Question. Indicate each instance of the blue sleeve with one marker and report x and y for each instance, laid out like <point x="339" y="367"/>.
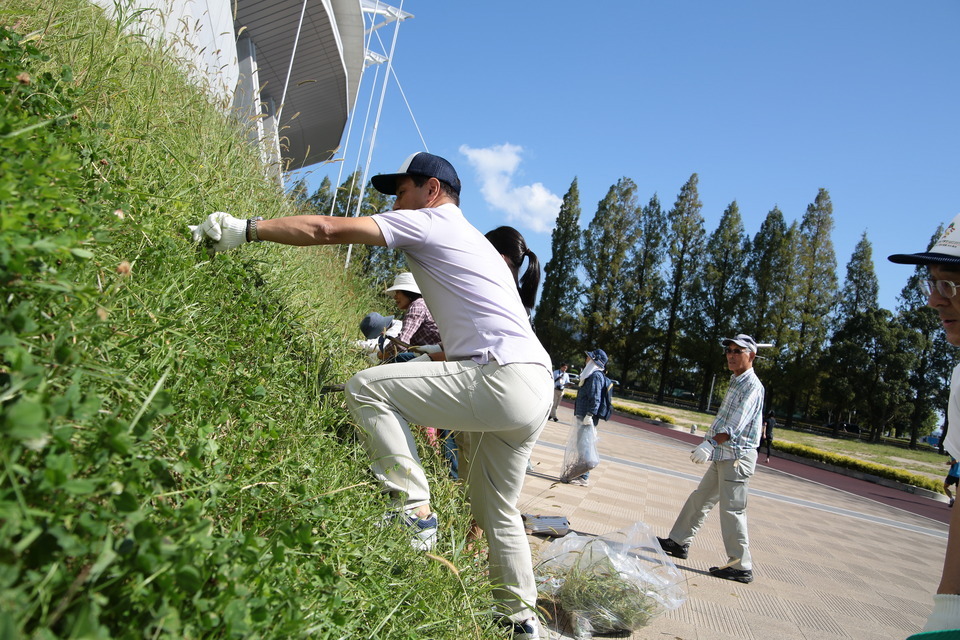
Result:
<point x="595" y="385"/>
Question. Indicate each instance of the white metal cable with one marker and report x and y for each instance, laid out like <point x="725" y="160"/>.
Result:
<point x="410" y="111"/>
<point x="346" y="144"/>
<point x="403" y="95"/>
<point x="293" y="55"/>
<point x="376" y="125"/>
<point x="356" y="166"/>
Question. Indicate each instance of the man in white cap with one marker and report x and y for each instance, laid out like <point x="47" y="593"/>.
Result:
<point x="731" y="448"/>
<point x="495" y="382"/>
<point x="943" y="266"/>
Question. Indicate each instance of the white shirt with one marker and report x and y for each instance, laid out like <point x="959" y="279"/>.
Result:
<point x="467" y="285"/>
<point x="952" y="442"/>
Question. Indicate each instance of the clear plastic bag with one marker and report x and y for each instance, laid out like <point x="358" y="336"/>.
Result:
<point x="581" y="454"/>
<point x="616" y="582"/>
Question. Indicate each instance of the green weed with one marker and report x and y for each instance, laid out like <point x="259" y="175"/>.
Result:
<point x="168" y="465"/>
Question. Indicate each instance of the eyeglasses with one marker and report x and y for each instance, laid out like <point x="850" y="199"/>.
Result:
<point x="944" y="287"/>
<point x="737" y="352"/>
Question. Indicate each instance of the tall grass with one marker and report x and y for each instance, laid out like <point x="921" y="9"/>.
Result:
<point x="168" y="465"/>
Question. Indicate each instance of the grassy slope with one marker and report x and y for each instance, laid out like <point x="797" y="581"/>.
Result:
<point x="245" y="509"/>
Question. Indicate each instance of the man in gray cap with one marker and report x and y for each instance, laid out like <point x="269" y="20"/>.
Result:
<point x="731" y="448"/>
<point x="943" y="266"/>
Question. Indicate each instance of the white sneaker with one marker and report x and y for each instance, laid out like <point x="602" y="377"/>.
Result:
<point x="423" y="530"/>
<point x="527" y="630"/>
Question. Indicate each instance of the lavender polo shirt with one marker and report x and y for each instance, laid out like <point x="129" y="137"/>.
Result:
<point x="467" y="286"/>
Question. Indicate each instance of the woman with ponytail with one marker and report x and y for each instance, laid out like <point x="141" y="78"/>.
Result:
<point x="510" y="244"/>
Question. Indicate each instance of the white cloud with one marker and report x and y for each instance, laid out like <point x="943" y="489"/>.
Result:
<point x="530" y="206"/>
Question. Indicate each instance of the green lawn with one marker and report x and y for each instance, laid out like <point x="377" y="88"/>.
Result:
<point x="923" y="462"/>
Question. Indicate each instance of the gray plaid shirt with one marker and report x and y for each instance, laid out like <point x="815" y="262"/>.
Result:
<point x="740" y="416"/>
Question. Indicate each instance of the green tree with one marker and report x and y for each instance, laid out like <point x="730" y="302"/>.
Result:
<point x="643" y="300"/>
<point x="322" y="199"/>
<point x="860" y="289"/>
<point x="345" y="198"/>
<point x="769" y="303"/>
<point x="857" y="296"/>
<point x="607" y="243"/>
<point x="685" y="238"/>
<point x="555" y="317"/>
<point x="717" y="293"/>
<point x="870" y="360"/>
<point x="816" y="290"/>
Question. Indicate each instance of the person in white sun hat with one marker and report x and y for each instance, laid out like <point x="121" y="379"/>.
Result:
<point x="941" y="287"/>
<point x="730" y="447"/>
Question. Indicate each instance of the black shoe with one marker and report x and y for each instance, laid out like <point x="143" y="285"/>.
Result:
<point x="740" y="575"/>
<point x="674" y="549"/>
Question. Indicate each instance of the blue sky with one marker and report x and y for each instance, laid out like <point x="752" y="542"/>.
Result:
<point x="766" y="101"/>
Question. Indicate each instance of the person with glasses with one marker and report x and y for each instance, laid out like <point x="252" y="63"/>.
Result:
<point x="731" y="448"/>
<point x="943" y="268"/>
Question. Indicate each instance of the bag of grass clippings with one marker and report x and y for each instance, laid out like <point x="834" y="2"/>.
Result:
<point x="616" y="582"/>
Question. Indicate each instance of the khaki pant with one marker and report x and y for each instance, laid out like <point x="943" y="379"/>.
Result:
<point x="503" y="407"/>
<point x="725" y="482"/>
<point x="557" y="396"/>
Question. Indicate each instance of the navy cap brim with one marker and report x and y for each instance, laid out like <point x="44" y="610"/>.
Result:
<point x="924" y="258"/>
<point x="386" y="183"/>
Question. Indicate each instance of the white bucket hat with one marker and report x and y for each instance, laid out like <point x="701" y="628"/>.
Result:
<point x="945" y="251"/>
<point x="405" y="282"/>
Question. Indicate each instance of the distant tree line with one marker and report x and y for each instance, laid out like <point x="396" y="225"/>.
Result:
<point x="657" y="292"/>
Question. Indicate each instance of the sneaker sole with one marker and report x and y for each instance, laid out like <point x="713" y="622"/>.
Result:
<point x="741" y="579"/>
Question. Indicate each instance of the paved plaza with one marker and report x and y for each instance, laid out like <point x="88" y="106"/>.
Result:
<point x="828" y="563"/>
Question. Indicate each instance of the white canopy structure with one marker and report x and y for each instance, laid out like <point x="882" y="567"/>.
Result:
<point x="290" y="68"/>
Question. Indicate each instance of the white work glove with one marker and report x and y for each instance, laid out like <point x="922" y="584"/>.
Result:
<point x="226" y="231"/>
<point x="703" y="452"/>
<point x="427" y="348"/>
<point x="945" y="614"/>
<point x="586" y="421"/>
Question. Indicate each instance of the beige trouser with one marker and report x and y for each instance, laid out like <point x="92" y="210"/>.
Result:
<point x="503" y="407"/>
<point x="557" y="396"/>
<point x="725" y="482"/>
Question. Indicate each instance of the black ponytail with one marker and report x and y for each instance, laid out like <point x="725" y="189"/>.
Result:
<point x="511" y="245"/>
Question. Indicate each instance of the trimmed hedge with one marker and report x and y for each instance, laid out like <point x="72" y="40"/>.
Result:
<point x="847" y="462"/>
<point x="643" y="413"/>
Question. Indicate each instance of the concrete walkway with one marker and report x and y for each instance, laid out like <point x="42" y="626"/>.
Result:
<point x="828" y="562"/>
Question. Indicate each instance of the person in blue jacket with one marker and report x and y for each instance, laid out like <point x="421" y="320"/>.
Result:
<point x="593" y="398"/>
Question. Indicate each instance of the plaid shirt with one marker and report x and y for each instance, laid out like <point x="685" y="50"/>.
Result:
<point x="740" y="416"/>
<point x="418" y="325"/>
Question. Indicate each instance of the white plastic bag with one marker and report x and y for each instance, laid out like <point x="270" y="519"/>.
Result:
<point x="615" y="582"/>
<point x="581" y="454"/>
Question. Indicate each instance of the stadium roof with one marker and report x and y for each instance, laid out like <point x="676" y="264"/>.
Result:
<point x="325" y="75"/>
